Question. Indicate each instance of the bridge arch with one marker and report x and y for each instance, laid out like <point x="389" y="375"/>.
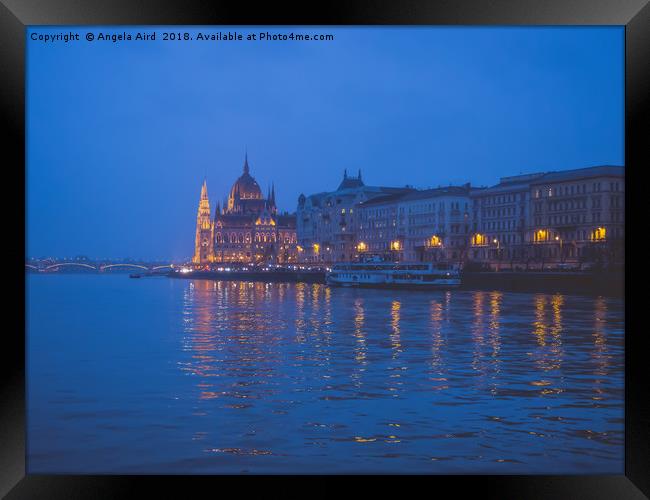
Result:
<point x="61" y="264"/>
<point x="109" y="266"/>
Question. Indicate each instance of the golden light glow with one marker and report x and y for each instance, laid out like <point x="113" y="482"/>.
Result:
<point x="479" y="240"/>
<point x="395" y="245"/>
<point x="599" y="234"/>
<point x="435" y="241"/>
<point x="260" y="222"/>
<point x="299" y="248"/>
<point x="395" y="317"/>
<point x="316" y="248"/>
<point x="362" y="247"/>
<point x="541" y="235"/>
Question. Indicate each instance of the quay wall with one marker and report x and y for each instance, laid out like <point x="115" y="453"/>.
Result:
<point x="587" y="283"/>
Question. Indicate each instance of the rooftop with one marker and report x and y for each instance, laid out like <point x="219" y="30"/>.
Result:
<point x="524" y="181"/>
<point x="409" y="194"/>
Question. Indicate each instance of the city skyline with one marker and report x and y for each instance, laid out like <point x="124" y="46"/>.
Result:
<point x="121" y="177"/>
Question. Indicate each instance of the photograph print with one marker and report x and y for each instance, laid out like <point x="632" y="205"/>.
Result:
<point x="325" y="250"/>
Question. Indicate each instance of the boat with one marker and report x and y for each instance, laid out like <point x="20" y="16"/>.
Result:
<point x="376" y="273"/>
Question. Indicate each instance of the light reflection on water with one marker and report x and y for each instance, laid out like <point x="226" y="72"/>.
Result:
<point x="256" y="377"/>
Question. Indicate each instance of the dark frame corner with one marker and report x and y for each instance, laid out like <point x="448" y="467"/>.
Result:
<point x="16" y="15"/>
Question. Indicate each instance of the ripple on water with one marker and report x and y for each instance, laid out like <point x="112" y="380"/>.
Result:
<point x="215" y="377"/>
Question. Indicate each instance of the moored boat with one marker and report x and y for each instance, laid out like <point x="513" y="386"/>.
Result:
<point x="382" y="274"/>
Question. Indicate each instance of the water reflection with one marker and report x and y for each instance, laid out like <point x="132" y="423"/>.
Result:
<point x="495" y="340"/>
<point x="438" y="369"/>
<point x="395" y="340"/>
<point x="229" y="332"/>
<point x="478" y="331"/>
<point x="227" y="377"/>
<point x="315" y="357"/>
<point x="359" y="333"/>
<point x="600" y="353"/>
<point x="548" y="330"/>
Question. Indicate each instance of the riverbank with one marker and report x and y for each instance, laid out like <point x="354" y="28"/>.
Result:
<point x="605" y="283"/>
<point x="269" y="276"/>
<point x="584" y="283"/>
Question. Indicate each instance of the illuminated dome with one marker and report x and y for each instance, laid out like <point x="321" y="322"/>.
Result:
<point x="246" y="187"/>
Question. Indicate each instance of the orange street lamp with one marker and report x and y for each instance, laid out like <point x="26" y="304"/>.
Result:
<point x="558" y="239"/>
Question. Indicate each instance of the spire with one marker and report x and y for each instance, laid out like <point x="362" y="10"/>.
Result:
<point x="204" y="189"/>
<point x="273" y="193"/>
<point x="359" y="176"/>
<point x="246" y="168"/>
<point x="345" y="173"/>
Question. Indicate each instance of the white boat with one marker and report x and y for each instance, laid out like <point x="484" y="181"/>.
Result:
<point x="381" y="274"/>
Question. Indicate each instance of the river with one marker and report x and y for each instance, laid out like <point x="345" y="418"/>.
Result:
<point x="158" y="375"/>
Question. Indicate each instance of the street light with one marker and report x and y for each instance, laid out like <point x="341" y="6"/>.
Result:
<point x="498" y="244"/>
<point x="557" y="238"/>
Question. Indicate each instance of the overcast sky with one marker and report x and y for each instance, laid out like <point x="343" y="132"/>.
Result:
<point x="120" y="135"/>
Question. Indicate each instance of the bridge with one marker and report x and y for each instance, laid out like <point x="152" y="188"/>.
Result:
<point x="48" y="266"/>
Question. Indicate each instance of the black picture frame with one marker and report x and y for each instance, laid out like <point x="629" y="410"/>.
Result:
<point x="16" y="15"/>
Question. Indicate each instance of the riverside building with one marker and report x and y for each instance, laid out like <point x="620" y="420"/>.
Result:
<point x="551" y="218"/>
<point x="248" y="229"/>
<point x="327" y="222"/>
<point x="538" y="220"/>
<point x="578" y="215"/>
<point x="418" y="225"/>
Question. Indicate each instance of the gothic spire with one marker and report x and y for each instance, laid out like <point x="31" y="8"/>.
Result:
<point x="204" y="190"/>
<point x="246" y="168"/>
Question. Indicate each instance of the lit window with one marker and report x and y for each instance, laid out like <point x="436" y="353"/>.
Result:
<point x="541" y="235"/>
<point x="598" y="234"/>
<point x="479" y="240"/>
<point x="435" y="241"/>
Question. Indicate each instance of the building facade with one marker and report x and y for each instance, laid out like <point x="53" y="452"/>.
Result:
<point x="578" y="216"/>
<point x="247" y="229"/>
<point x="327" y="222"/>
<point x="419" y="225"/>
<point x="551" y="218"/>
<point x="538" y="220"/>
<point x="500" y="220"/>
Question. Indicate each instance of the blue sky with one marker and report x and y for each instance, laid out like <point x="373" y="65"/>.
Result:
<point x="120" y="135"/>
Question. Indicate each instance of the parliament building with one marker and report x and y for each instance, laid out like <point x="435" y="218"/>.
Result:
<point x="247" y="229"/>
